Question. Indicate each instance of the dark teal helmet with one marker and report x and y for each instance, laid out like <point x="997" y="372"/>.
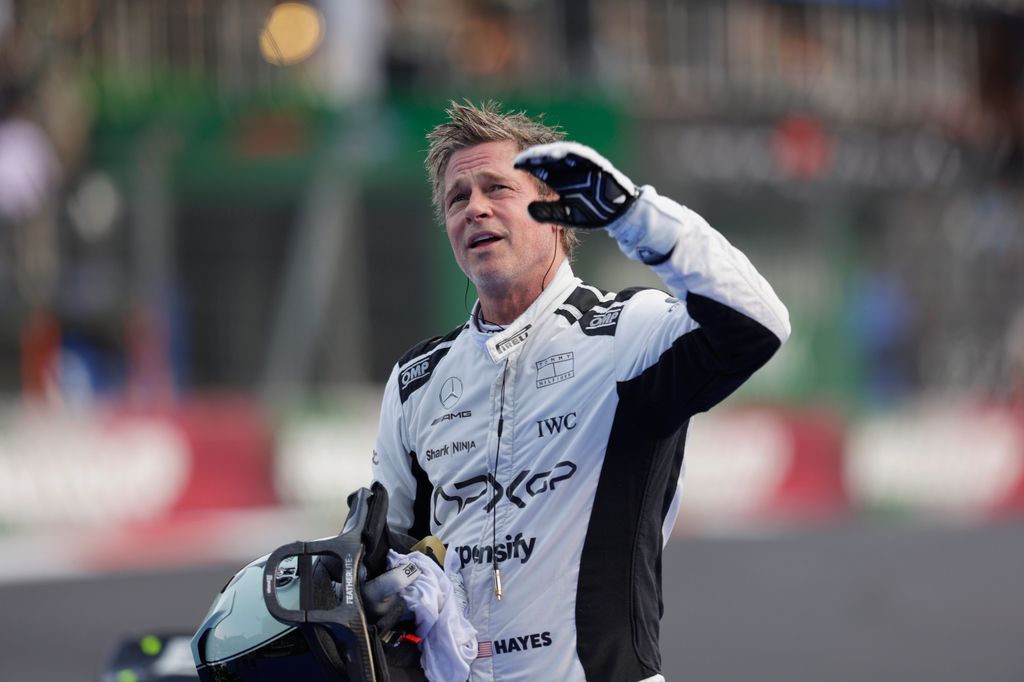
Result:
<point x="298" y="613"/>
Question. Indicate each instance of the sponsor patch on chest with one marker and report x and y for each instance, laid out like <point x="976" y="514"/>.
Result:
<point x="555" y="369"/>
<point x="454" y="448"/>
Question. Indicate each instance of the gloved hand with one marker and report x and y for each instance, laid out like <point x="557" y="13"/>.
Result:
<point x="437" y="601"/>
<point x="591" y="192"/>
<point x="381" y="601"/>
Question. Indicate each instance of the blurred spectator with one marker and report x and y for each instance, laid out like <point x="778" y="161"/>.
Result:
<point x="6" y="17"/>
<point x="43" y="130"/>
<point x="1001" y="100"/>
<point x="1015" y="357"/>
<point x="29" y="174"/>
<point x="28" y="164"/>
<point x="882" y="316"/>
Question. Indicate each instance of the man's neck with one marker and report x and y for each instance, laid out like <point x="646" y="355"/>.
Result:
<point x="504" y="306"/>
<point x="505" y="309"/>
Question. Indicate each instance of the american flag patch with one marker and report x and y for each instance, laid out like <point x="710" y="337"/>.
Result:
<point x="484" y="649"/>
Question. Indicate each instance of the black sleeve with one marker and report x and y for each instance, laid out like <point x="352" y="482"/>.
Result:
<point x="701" y="368"/>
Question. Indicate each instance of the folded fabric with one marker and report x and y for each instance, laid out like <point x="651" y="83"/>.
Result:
<point x="449" y="642"/>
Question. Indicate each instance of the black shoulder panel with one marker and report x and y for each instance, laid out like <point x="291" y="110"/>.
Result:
<point x="415" y="367"/>
<point x="427" y="345"/>
<point x="583" y="298"/>
<point x="597" y="316"/>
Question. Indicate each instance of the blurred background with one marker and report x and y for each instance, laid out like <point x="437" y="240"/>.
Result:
<point x="216" y="238"/>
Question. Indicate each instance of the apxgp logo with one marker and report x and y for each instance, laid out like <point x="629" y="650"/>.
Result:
<point x="516" y="547"/>
<point x="451" y="500"/>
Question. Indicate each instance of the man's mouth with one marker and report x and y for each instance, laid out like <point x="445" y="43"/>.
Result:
<point x="482" y="239"/>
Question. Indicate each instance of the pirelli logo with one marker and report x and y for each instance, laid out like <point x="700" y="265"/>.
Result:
<point x="513" y="341"/>
<point x="555" y="369"/>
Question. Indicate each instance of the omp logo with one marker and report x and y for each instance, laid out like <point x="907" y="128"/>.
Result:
<point x="555" y="369"/>
<point x="452" y="415"/>
<point x="523" y="643"/>
<point x="605" y="319"/>
<point x="514" y="340"/>
<point x="452" y="500"/>
<point x="451" y="391"/>
<point x="600" y="321"/>
<point x="552" y="425"/>
<point x="418" y="371"/>
<point x="516" y="547"/>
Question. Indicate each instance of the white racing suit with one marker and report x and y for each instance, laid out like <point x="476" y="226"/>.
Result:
<point x="592" y="394"/>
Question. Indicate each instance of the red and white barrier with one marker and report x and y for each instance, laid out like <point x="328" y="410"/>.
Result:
<point x="942" y="459"/>
<point x="121" y="488"/>
<point x="212" y="480"/>
<point x="119" y="466"/>
<point x="762" y="465"/>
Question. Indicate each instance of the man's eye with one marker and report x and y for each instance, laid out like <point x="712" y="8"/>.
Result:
<point x="456" y="199"/>
<point x="495" y="187"/>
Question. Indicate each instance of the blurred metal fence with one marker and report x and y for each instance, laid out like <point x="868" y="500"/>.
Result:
<point x="868" y="155"/>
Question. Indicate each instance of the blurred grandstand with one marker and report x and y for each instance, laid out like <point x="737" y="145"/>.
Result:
<point x="200" y="200"/>
<point x="204" y="204"/>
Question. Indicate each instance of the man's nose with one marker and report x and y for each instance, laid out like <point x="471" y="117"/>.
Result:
<point x="478" y="207"/>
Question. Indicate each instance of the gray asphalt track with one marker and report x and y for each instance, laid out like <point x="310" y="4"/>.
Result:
<point x="844" y="603"/>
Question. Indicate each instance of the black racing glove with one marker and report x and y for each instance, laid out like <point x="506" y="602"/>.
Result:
<point x="591" y="192"/>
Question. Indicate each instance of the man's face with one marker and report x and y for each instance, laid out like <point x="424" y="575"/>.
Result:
<point x="495" y="241"/>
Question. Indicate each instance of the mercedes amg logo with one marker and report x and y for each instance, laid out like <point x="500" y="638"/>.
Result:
<point x="451" y="391"/>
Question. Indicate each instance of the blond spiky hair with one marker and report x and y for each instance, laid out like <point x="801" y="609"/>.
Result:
<point x="470" y="125"/>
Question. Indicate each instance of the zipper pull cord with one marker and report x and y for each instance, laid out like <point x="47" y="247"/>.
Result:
<point x="494" y="511"/>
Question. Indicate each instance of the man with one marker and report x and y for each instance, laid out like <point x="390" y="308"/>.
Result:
<point x="543" y="439"/>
